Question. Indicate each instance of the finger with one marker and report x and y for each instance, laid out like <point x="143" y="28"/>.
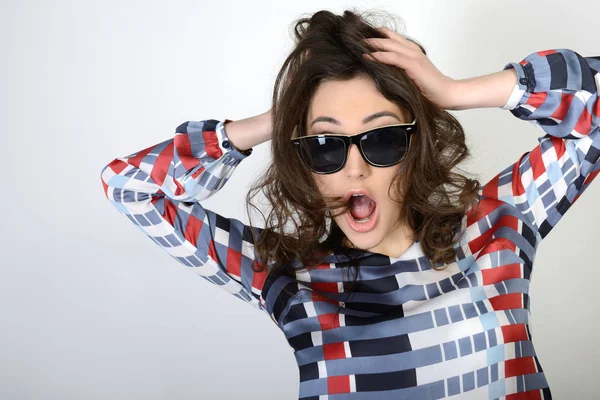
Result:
<point x="398" y="37"/>
<point x="387" y="57"/>
<point x="390" y="45"/>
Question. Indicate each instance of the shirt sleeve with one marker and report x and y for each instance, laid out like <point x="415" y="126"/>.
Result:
<point x="556" y="90"/>
<point x="159" y="190"/>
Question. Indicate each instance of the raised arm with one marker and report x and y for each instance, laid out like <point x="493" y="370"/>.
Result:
<point x="556" y="90"/>
<point x="159" y="190"/>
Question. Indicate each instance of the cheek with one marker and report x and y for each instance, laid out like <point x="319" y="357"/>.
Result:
<point x="318" y="180"/>
<point x="392" y="182"/>
<point x="328" y="186"/>
<point x="325" y="183"/>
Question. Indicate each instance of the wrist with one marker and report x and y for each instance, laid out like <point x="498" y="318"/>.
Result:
<point x="246" y="133"/>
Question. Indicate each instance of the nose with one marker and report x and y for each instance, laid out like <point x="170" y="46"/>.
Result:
<point x="356" y="167"/>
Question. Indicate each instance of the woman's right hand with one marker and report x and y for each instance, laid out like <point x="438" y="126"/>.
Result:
<point x="249" y="132"/>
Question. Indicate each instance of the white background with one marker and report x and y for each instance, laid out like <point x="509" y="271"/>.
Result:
<point x="91" y="309"/>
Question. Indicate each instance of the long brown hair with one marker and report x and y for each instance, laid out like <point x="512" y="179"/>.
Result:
<point x="300" y="225"/>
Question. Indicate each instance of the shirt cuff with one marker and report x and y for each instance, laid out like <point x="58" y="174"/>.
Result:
<point x="519" y="89"/>
<point x="226" y="145"/>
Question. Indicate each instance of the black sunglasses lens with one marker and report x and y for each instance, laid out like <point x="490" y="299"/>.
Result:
<point x="385" y="146"/>
<point x="323" y="154"/>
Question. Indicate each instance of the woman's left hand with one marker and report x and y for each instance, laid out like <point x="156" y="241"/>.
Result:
<point x="401" y="52"/>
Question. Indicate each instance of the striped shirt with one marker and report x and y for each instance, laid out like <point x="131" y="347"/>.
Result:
<point x="408" y="331"/>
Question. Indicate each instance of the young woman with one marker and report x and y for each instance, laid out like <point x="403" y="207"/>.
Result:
<point x="391" y="276"/>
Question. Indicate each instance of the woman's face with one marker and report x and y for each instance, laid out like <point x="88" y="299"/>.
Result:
<point x="349" y="102"/>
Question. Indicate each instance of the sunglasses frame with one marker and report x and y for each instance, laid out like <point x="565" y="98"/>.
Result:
<point x="348" y="140"/>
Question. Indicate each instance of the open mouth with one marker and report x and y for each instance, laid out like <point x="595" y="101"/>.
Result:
<point x="363" y="213"/>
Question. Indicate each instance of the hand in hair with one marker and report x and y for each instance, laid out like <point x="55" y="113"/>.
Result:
<point x="401" y="52"/>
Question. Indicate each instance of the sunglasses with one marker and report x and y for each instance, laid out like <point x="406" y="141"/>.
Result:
<point x="381" y="147"/>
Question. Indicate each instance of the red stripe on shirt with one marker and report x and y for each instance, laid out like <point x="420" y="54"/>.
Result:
<point x="519" y="366"/>
<point x="502" y="273"/>
<point x="338" y="384"/>
<point x="514" y="333"/>
<point x="211" y="144"/>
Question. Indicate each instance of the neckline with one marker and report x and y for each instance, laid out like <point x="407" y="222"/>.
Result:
<point x="411" y="252"/>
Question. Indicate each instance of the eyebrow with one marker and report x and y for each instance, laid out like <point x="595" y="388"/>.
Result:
<point x="364" y="121"/>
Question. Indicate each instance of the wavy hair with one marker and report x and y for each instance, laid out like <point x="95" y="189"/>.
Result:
<point x="300" y="225"/>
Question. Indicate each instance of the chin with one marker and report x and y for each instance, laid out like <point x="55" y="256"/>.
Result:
<point x="364" y="241"/>
<point x="367" y="242"/>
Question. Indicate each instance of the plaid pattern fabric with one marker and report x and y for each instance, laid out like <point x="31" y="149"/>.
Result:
<point x="159" y="189"/>
<point x="406" y="331"/>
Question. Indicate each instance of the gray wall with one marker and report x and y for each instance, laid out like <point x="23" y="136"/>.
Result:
<point x="90" y="308"/>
